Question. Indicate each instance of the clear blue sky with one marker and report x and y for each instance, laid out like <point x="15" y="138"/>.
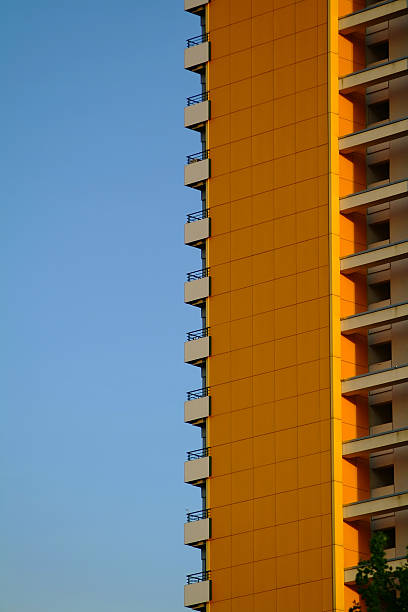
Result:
<point x="92" y="323"/>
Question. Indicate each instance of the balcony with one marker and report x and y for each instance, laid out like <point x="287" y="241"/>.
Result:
<point x="351" y="572"/>
<point x="358" y="21"/>
<point x="197" y="53"/>
<point x="360" y="385"/>
<point x="197" y="347"/>
<point x="375" y="505"/>
<point x="197" y="406"/>
<point x="194" y="6"/>
<point x="197" y="287"/>
<point x="198" y="528"/>
<point x="197" y="467"/>
<point x="197" y="111"/>
<point x="374" y="257"/>
<point x="373" y="136"/>
<point x="197" y="591"/>
<point x="197" y="228"/>
<point x="197" y="169"/>
<point x="371" y="319"/>
<point x="362" y="447"/>
<point x="360" y="201"/>
<point x="379" y="73"/>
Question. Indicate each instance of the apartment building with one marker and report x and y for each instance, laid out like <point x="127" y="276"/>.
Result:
<point x="301" y="291"/>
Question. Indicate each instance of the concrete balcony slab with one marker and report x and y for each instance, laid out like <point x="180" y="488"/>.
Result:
<point x="351" y="572"/>
<point x="197" y="594"/>
<point x="196" y="173"/>
<point x="196" y="231"/>
<point x="358" y="21"/>
<point x="361" y="447"/>
<point x="193" y="5"/>
<point x="196" y="290"/>
<point x="196" y="56"/>
<point x="374" y="318"/>
<point x="197" y="532"/>
<point x="358" y="81"/>
<point x="196" y="409"/>
<point x="359" y="202"/>
<point x="196" y="350"/>
<point x="376" y="505"/>
<point x="359" y="385"/>
<point x="374" y="257"/>
<point x="373" y="136"/>
<point x="197" y="114"/>
<point x="197" y="470"/>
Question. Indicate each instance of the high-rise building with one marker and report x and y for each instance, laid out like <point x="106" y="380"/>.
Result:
<point x="301" y="187"/>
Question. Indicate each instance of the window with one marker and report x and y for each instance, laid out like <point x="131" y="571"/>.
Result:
<point x="378" y="353"/>
<point x="378" y="232"/>
<point x="377" y="173"/>
<point x="379" y="292"/>
<point x="381" y="413"/>
<point x="382" y="476"/>
<point x="377" y="52"/>
<point x="390" y="535"/>
<point x="379" y="111"/>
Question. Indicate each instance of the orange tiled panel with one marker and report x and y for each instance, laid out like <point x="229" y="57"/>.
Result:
<point x="269" y="430"/>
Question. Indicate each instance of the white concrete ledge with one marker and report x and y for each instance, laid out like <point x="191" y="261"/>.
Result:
<point x="196" y="56"/>
<point x="376" y="505"/>
<point x="356" y="22"/>
<point x="196" y="470"/>
<point x="196" y="531"/>
<point x="193" y="5"/>
<point x="374" y="380"/>
<point x="351" y="572"/>
<point x="196" y="114"/>
<point x="196" y="231"/>
<point x="196" y="350"/>
<point x="358" y="81"/>
<point x="196" y="172"/>
<point x="196" y="409"/>
<point x="373" y="136"/>
<point x="197" y="594"/>
<point x="362" y="447"/>
<point x="374" y="318"/>
<point x="374" y="257"/>
<point x="196" y="290"/>
<point x="359" y="202"/>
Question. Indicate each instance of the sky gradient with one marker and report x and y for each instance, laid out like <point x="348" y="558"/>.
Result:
<point x="92" y="266"/>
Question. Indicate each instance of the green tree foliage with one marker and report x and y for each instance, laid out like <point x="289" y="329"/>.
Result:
<point x="380" y="587"/>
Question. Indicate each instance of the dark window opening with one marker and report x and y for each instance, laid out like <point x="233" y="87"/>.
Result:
<point x="379" y="111"/>
<point x="377" y="52"/>
<point x="390" y="535"/>
<point x="379" y="292"/>
<point x="377" y="353"/>
<point x="378" y="232"/>
<point x="378" y="172"/>
<point x="381" y="413"/>
<point x="382" y="476"/>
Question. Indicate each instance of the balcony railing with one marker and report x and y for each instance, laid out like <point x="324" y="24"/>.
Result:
<point x="201" y="97"/>
<point x="196" y="157"/>
<point x="198" y="577"/>
<point x="199" y="515"/>
<point x="197" y="274"/>
<point x="197" y="334"/>
<point x="197" y="216"/>
<point x="197" y="393"/>
<point x="196" y="40"/>
<point x="198" y="454"/>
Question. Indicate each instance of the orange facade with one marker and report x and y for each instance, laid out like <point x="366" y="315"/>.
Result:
<point x="270" y="491"/>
